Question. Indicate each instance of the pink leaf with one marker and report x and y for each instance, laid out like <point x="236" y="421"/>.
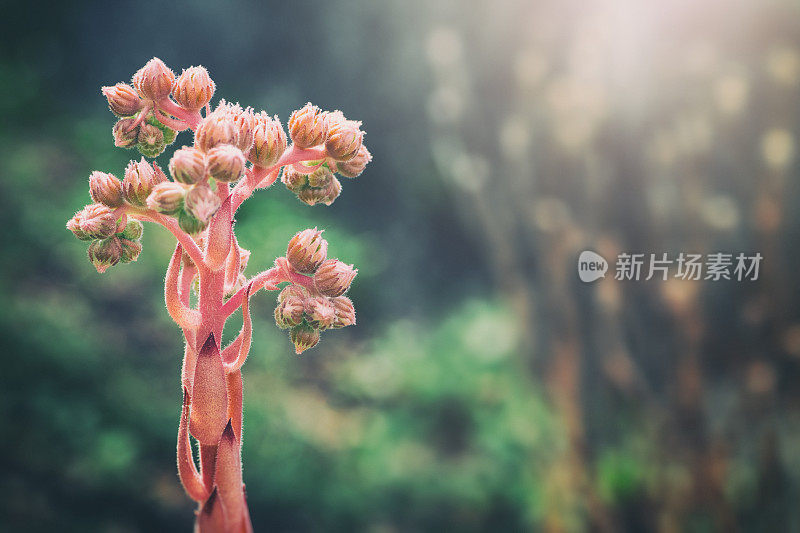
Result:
<point x="184" y="316"/>
<point x="187" y="470"/>
<point x="209" y="395"/>
<point x="211" y="517"/>
<point x="243" y="340"/>
<point x="220" y="235"/>
<point x="228" y="477"/>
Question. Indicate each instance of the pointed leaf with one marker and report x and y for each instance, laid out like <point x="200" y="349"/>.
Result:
<point x="228" y="477"/>
<point x="220" y="234"/>
<point x="233" y="265"/>
<point x="187" y="470"/>
<point x="209" y="395"/>
<point x="211" y="517"/>
<point x="184" y="316"/>
<point x="235" y="399"/>
<point x="243" y="340"/>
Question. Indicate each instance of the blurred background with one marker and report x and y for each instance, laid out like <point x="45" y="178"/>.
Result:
<point x="485" y="387"/>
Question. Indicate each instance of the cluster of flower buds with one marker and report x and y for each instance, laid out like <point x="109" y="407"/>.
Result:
<point x="314" y="182"/>
<point x="145" y="106"/>
<point x="114" y="239"/>
<point x="320" y="304"/>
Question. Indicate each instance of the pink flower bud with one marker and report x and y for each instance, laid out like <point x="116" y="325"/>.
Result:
<point x="201" y="202"/>
<point x="194" y="88"/>
<point x="188" y="165"/>
<point x="225" y="163"/>
<point x="304" y="337"/>
<point x="74" y="225"/>
<point x="167" y="197"/>
<point x="332" y="191"/>
<point x="354" y="167"/>
<point x="319" y="312"/>
<point x="345" y="312"/>
<point x="151" y="140"/>
<point x="334" y="277"/>
<point x="125" y="136"/>
<point x="321" y="177"/>
<point x="214" y="130"/>
<point x="105" y="189"/>
<point x="294" y="180"/>
<point x="308" y="126"/>
<point x="269" y="141"/>
<point x="140" y="178"/>
<point x="307" y="250"/>
<point x="122" y="99"/>
<point x="244" y="122"/>
<point x="312" y="195"/>
<point x="98" y="221"/>
<point x="289" y="313"/>
<point x="133" y="230"/>
<point x="189" y="223"/>
<point x="297" y="292"/>
<point x="105" y="253"/>
<point x="130" y="250"/>
<point x="344" y="137"/>
<point x="154" y="80"/>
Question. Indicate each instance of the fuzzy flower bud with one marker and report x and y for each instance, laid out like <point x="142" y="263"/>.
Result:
<point x="133" y="230"/>
<point x="308" y="126"/>
<point x="167" y="197"/>
<point x="332" y="191"/>
<point x="344" y="137"/>
<point x="334" y="277"/>
<point x="194" y="88"/>
<point x="307" y="250"/>
<point x="201" y="202"/>
<point x="303" y="337"/>
<point x="312" y="195"/>
<point x="130" y="250"/>
<point x="354" y="167"/>
<point x="151" y="140"/>
<point x="105" y="189"/>
<point x="189" y="223"/>
<point x="123" y="100"/>
<point x="345" y="312"/>
<point x="269" y="141"/>
<point x="188" y="165"/>
<point x="294" y="180"/>
<point x="105" y="253"/>
<point x="319" y="312"/>
<point x="214" y="130"/>
<point x="289" y="313"/>
<point x="297" y="292"/>
<point x="140" y="178"/>
<point x="225" y="163"/>
<point x="154" y="80"/>
<point x="74" y="225"/>
<point x="321" y="177"/>
<point x="98" y="221"/>
<point x="244" y="123"/>
<point x="125" y="135"/>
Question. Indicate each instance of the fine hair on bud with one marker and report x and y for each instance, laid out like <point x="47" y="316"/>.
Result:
<point x="130" y="250"/>
<point x="123" y="100"/>
<point x="215" y="129"/>
<point x="308" y="126"/>
<point x="269" y="141"/>
<point x="333" y="277"/>
<point x="345" y="312"/>
<point x="167" y="197"/>
<point x="319" y="312"/>
<point x="194" y="88"/>
<point x="105" y="189"/>
<point x="307" y="250"/>
<point x="303" y="337"/>
<point x="294" y="180"/>
<point x="154" y="80"/>
<point x="98" y="221"/>
<point x="140" y="178"/>
<point x="201" y="202"/>
<point x="125" y="133"/>
<point x="188" y="165"/>
<point x="133" y="230"/>
<point x="226" y="163"/>
<point x="105" y="253"/>
<point x="344" y="137"/>
<point x="354" y="167"/>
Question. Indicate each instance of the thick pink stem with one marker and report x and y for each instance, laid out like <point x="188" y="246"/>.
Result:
<point x="191" y="118"/>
